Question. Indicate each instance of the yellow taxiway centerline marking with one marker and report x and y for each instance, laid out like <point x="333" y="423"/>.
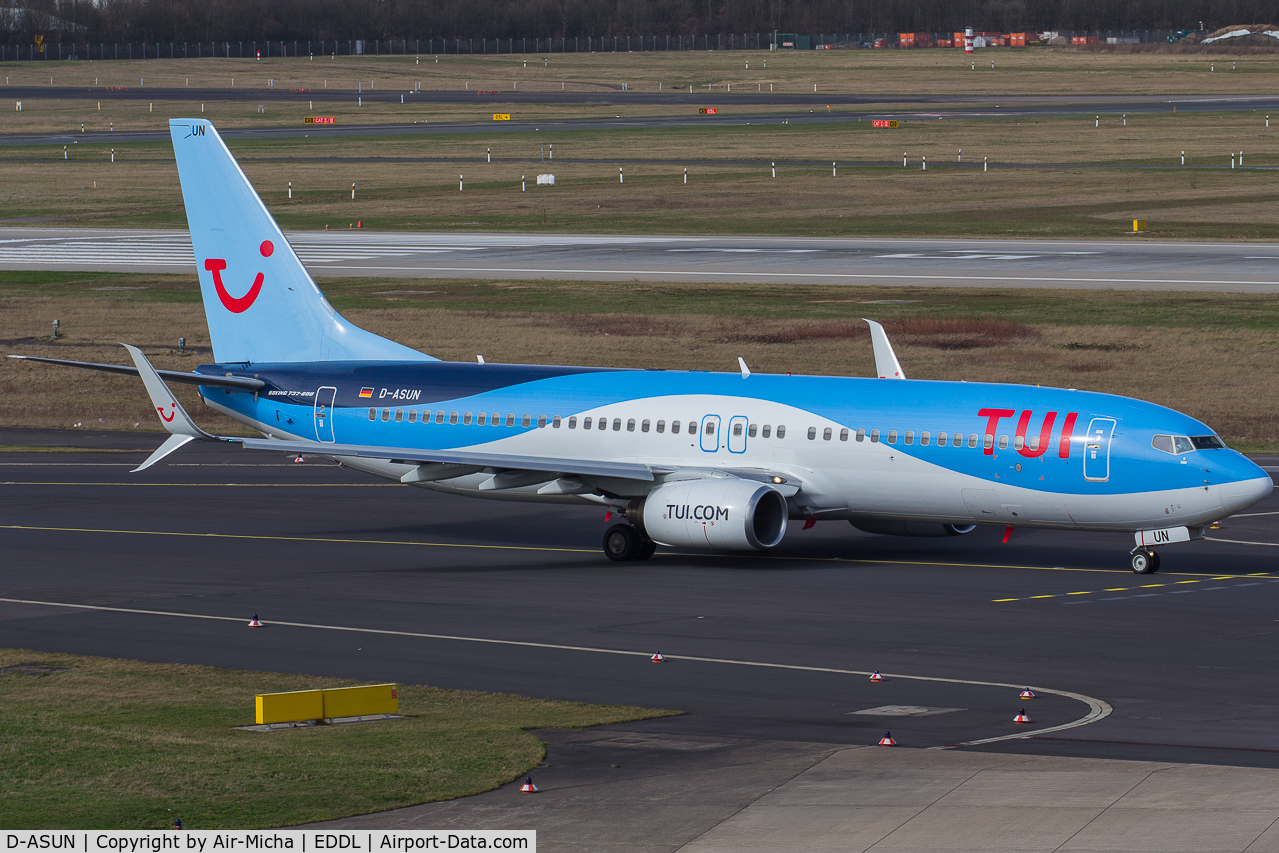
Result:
<point x="1131" y="588"/>
<point x="1097" y="709"/>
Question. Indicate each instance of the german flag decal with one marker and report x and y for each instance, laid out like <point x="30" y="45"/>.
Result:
<point x="366" y="392"/>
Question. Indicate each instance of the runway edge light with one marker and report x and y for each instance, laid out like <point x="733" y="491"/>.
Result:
<point x="528" y="787"/>
<point x="657" y="658"/>
<point x="1021" y="717"/>
<point x="1027" y="694"/>
<point x="875" y="676"/>
<point x="255" y="622"/>
<point x="887" y="740"/>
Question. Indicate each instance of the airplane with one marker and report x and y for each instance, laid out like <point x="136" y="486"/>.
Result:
<point x="685" y="459"/>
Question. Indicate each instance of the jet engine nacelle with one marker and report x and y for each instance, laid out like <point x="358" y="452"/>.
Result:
<point x="890" y="527"/>
<point x="727" y="514"/>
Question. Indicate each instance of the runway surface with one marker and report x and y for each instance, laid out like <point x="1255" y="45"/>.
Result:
<point x="359" y="578"/>
<point x="734" y="110"/>
<point x="1139" y="264"/>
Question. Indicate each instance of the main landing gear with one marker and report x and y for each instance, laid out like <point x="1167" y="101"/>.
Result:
<point x="623" y="542"/>
<point x="1145" y="561"/>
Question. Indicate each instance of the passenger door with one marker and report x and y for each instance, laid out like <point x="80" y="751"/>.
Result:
<point x="323" y="413"/>
<point x="1097" y="449"/>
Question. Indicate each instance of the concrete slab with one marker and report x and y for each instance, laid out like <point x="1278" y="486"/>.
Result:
<point x="719" y="795"/>
<point x="1193" y="830"/>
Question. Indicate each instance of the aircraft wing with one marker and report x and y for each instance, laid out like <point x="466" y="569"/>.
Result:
<point x="466" y="458"/>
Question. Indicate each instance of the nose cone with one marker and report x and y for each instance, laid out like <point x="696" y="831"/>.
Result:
<point x="1247" y="484"/>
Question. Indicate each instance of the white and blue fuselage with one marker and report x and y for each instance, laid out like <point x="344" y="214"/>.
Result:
<point x="864" y="449"/>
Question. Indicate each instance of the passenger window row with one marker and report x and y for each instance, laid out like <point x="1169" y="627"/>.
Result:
<point x="596" y="423"/>
<point x="926" y="438"/>
<point x="1169" y="444"/>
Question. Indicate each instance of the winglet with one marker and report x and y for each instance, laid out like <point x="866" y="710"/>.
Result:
<point x="741" y="362"/>
<point x="177" y="421"/>
<point x="886" y="364"/>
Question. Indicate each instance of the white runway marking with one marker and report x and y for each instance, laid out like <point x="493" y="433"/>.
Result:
<point x="1097" y="709"/>
<point x="826" y="276"/>
<point x="177" y="251"/>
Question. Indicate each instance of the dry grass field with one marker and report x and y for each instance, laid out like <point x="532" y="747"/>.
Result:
<point x="882" y="73"/>
<point x="1051" y="176"/>
<point x="411" y="182"/>
<point x="1215" y="357"/>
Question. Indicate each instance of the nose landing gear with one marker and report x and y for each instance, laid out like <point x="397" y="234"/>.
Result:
<point x="1145" y="561"/>
<point x="622" y="542"/>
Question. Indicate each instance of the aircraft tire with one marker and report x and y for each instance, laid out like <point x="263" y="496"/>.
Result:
<point x="1145" y="562"/>
<point x="646" y="549"/>
<point x="622" y="543"/>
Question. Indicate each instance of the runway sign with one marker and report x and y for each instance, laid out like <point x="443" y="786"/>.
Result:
<point x="708" y="111"/>
<point x="290" y="707"/>
<point x="884" y="122"/>
<point x="358" y="701"/>
<point x="320" y="120"/>
<point x="327" y="704"/>
<point x="501" y="116"/>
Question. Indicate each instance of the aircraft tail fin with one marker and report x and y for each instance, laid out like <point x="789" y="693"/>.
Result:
<point x="260" y="302"/>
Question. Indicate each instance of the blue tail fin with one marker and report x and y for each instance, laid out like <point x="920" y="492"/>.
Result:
<point x="260" y="302"/>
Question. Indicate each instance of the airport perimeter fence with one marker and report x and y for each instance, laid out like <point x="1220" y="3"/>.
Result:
<point x="43" y="50"/>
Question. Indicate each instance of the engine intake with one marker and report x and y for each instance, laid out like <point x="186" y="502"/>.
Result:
<point x="727" y="514"/>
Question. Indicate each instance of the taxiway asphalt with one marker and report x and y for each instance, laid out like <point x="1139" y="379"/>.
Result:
<point x="1139" y="264"/>
<point x="387" y="582"/>
<point x="733" y="110"/>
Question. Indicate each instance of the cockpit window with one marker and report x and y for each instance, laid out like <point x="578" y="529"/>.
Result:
<point x="1178" y="444"/>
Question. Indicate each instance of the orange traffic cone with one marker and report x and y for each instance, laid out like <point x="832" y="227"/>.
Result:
<point x="887" y="740"/>
<point x="1021" y="717"/>
<point x="528" y="787"/>
<point x="1027" y="694"/>
<point x="875" y="676"/>
<point x="657" y="658"/>
<point x="255" y="622"/>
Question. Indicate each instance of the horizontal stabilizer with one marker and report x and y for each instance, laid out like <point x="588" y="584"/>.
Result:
<point x="171" y="444"/>
<point x="241" y="382"/>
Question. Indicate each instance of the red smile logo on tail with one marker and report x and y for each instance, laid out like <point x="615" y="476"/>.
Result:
<point x="173" y="410"/>
<point x="238" y="305"/>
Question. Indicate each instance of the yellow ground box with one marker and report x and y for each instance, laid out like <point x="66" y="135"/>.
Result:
<point x="358" y="701"/>
<point x="501" y="116"/>
<point x="1139" y="225"/>
<point x="290" y="707"/>
<point x="327" y="704"/>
